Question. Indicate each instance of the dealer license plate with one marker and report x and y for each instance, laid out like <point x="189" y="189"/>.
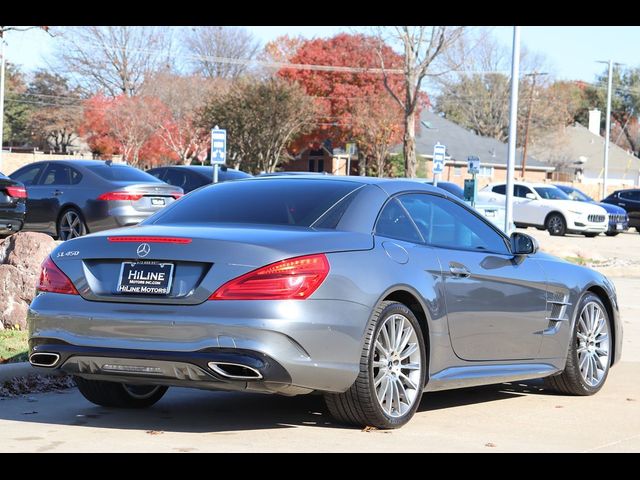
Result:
<point x="618" y="226"/>
<point x="157" y="202"/>
<point x="145" y="278"/>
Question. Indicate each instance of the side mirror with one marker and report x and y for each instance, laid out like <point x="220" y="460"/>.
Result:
<point x="530" y="196"/>
<point x="523" y="244"/>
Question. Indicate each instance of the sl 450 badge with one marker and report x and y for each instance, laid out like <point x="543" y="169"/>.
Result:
<point x="69" y="253"/>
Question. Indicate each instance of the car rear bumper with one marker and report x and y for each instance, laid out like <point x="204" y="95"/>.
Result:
<point x="111" y="214"/>
<point x="310" y="344"/>
<point x="11" y="219"/>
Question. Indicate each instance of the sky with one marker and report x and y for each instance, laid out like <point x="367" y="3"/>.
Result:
<point x="571" y="51"/>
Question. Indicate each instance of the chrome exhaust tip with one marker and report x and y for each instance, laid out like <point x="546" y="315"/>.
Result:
<point x="235" y="371"/>
<point x="44" y="359"/>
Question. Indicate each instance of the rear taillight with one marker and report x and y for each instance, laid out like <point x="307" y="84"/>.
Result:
<point x="53" y="280"/>
<point x="295" y="278"/>
<point x="16" y="192"/>
<point x="120" y="196"/>
<point x="177" y="195"/>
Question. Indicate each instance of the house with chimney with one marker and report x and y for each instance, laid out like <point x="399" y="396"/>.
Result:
<point x="461" y="144"/>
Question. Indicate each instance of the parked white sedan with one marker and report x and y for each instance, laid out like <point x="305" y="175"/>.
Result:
<point x="547" y="207"/>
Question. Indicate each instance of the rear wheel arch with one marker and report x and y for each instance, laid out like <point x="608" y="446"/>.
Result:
<point x="412" y="301"/>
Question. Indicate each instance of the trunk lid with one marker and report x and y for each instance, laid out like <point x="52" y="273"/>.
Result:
<point x="212" y="256"/>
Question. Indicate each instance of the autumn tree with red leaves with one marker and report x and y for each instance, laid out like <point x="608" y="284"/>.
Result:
<point x="337" y="91"/>
<point x="96" y="129"/>
<point x="126" y="126"/>
<point x="377" y="126"/>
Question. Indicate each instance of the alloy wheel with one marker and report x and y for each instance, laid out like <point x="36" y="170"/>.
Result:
<point x="555" y="224"/>
<point x="593" y="344"/>
<point x="70" y="226"/>
<point x="397" y="366"/>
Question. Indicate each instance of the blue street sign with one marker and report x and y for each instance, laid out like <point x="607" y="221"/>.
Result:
<point x="439" y="152"/>
<point x="473" y="165"/>
<point x="218" y="145"/>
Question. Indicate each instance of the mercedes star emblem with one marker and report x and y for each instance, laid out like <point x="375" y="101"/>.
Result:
<point x="143" y="249"/>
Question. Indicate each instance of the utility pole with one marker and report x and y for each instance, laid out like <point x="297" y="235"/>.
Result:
<point x="1" y="94"/>
<point x="534" y="75"/>
<point x="513" y="122"/>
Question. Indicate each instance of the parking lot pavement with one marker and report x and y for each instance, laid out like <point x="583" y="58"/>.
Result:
<point x="499" y="418"/>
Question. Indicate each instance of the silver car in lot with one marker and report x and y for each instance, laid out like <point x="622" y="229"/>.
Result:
<point x="70" y="198"/>
<point x="369" y="291"/>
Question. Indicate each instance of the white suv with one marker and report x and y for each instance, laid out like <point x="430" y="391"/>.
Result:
<point x="546" y="207"/>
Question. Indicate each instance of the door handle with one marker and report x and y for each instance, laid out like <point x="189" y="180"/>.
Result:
<point x="622" y="204"/>
<point x="459" y="270"/>
<point x="57" y="193"/>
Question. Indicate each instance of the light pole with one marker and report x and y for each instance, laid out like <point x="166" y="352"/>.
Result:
<point x="529" y="114"/>
<point x="607" y="133"/>
<point x="1" y="95"/>
<point x="513" y="119"/>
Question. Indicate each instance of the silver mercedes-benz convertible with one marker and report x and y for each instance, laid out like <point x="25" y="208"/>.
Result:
<point x="369" y="291"/>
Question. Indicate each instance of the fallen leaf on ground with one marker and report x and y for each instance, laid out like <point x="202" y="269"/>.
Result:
<point x="154" y="432"/>
<point x="490" y="444"/>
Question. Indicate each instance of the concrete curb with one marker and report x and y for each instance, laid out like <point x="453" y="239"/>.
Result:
<point x="9" y="371"/>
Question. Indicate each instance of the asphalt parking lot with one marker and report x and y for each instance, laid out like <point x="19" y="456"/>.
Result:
<point x="500" y="418"/>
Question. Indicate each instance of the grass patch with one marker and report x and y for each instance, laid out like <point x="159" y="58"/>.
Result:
<point x="584" y="261"/>
<point x="13" y="346"/>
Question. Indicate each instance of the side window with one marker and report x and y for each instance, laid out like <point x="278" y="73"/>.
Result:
<point x="501" y="189"/>
<point x="56" y="174"/>
<point x="76" y="176"/>
<point x="393" y="222"/>
<point x="444" y="223"/>
<point x="521" y="191"/>
<point x="28" y="175"/>
<point x="633" y="195"/>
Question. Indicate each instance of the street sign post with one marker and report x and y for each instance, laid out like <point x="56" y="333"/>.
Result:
<point x="439" y="152"/>
<point x="218" y="149"/>
<point x="351" y="150"/>
<point x="473" y="167"/>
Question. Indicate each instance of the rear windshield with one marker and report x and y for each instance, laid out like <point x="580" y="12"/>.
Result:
<point x="267" y="202"/>
<point x="122" y="173"/>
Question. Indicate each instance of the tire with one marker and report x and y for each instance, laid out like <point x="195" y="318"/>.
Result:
<point x="71" y="224"/>
<point x="591" y="235"/>
<point x="638" y="229"/>
<point x="611" y="234"/>
<point x="541" y="228"/>
<point x="556" y="225"/>
<point x="360" y="405"/>
<point x="572" y="380"/>
<point x="119" y="395"/>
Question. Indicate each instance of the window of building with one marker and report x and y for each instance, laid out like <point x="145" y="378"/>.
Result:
<point x="485" y="171"/>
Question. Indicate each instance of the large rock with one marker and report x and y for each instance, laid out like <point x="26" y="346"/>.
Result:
<point x="27" y="250"/>
<point x="20" y="258"/>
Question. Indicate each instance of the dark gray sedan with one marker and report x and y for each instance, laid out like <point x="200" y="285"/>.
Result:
<point x="369" y="291"/>
<point x="70" y="198"/>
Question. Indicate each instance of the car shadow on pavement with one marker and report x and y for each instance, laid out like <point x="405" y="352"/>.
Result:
<point x="194" y="411"/>
<point x="486" y="393"/>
